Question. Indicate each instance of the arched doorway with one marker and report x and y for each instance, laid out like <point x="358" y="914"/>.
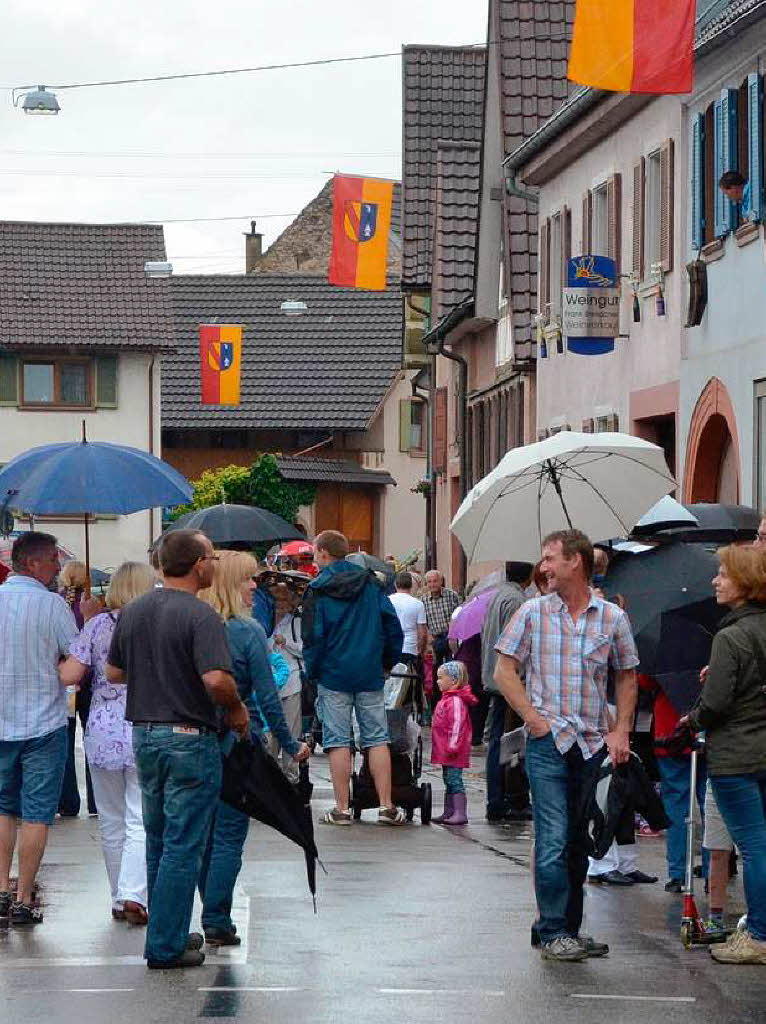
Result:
<point x="712" y="451"/>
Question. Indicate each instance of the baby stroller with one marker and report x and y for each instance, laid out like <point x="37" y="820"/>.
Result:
<point x="404" y="702"/>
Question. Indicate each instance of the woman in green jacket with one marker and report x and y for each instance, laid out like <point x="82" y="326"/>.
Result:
<point x="732" y="712"/>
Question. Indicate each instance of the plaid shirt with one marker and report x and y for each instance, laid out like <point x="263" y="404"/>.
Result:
<point x="439" y="610"/>
<point x="565" y="664"/>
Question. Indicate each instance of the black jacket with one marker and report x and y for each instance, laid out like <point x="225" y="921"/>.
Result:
<point x="610" y="800"/>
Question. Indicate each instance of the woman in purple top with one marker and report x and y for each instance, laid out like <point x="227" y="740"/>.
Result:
<point x="109" y="748"/>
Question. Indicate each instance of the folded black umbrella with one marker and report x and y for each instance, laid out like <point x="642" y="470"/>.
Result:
<point x="668" y="595"/>
<point x="254" y="783"/>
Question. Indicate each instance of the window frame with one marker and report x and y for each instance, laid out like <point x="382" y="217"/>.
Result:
<point x="599" y="194"/>
<point x="57" y="362"/>
<point x="653" y="214"/>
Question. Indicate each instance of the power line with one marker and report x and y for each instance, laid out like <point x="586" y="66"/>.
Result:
<point x="201" y="220"/>
<point x="211" y="74"/>
<point x="128" y="155"/>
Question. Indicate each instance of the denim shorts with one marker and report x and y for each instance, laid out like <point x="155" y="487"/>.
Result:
<point x="334" y="708"/>
<point x="31" y="776"/>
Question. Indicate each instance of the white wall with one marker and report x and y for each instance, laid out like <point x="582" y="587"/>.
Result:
<point x="570" y="388"/>
<point x="112" y="540"/>
<point x="403" y="514"/>
<point x="730" y="343"/>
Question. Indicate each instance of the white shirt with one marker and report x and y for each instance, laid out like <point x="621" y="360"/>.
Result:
<point x="411" y="613"/>
<point x="36" y="629"/>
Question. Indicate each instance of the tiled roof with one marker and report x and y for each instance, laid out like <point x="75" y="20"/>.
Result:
<point x="458" y="173"/>
<point x="327" y="369"/>
<point x="83" y="285"/>
<point x="308" y="239"/>
<point x="317" y="471"/>
<point x="534" y="44"/>
<point x="442" y="100"/>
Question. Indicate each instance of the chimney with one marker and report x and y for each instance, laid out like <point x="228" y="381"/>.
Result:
<point x="253" y="248"/>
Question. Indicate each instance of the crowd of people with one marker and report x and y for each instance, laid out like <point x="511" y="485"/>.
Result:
<point x="179" y="659"/>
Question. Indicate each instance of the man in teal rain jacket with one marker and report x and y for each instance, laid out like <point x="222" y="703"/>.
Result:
<point x="351" y="637"/>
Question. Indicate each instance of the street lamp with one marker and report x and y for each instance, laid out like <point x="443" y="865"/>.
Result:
<point x="37" y="101"/>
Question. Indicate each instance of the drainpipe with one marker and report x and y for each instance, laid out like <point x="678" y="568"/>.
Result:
<point x="513" y="189"/>
<point x="151" y="440"/>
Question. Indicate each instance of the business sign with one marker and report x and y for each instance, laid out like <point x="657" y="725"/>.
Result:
<point x="591" y="305"/>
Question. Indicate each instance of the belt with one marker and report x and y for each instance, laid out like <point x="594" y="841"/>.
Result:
<point x="201" y="730"/>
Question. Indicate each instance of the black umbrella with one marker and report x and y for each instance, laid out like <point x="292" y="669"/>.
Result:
<point x="254" y="783"/>
<point x="720" y="524"/>
<point x="237" y="524"/>
<point x="669" y="599"/>
<point x="305" y="788"/>
<point x="370" y="562"/>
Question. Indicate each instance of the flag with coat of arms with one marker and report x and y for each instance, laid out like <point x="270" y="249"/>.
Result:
<point x="220" y="353"/>
<point x="361" y="225"/>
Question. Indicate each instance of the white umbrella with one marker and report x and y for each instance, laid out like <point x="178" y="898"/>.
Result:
<point x="599" y="483"/>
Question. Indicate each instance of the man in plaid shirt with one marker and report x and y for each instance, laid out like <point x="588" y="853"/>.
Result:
<point x="564" y="645"/>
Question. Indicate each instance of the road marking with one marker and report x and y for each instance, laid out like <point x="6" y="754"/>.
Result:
<point x="74" y="961"/>
<point x="250" y="988"/>
<point x="635" y="999"/>
<point x="94" y="990"/>
<point x="436" y="991"/>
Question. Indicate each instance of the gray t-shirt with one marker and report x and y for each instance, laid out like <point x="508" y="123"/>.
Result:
<point x="165" y="641"/>
<point x="506" y="602"/>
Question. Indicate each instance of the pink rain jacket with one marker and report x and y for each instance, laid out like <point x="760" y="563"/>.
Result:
<point x="451" y="728"/>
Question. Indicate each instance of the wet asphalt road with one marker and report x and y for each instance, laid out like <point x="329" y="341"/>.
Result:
<point x="415" y="924"/>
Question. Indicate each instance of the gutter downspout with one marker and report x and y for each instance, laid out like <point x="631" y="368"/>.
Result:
<point x="512" y="189"/>
<point x="430" y="539"/>
<point x="151" y="440"/>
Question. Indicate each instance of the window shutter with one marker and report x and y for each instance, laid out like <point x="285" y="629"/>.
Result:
<point x="612" y="422"/>
<point x="9" y="380"/>
<point x="755" y="143"/>
<point x="566" y="243"/>
<point x="725" y="158"/>
<point x="698" y="181"/>
<point x="545" y="256"/>
<point x="106" y="382"/>
<point x="614" y="220"/>
<point x="588" y="425"/>
<point x="587" y="223"/>
<point x="667" y="183"/>
<point x="405" y="424"/>
<point x="639" y="179"/>
<point x="440" y="431"/>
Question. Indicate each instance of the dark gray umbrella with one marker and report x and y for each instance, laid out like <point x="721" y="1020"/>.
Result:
<point x="720" y="524"/>
<point x="238" y="524"/>
<point x="370" y="562"/>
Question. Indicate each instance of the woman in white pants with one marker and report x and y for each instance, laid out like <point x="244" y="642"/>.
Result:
<point x="109" y="748"/>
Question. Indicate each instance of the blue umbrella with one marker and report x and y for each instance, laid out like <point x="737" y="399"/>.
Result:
<point x="87" y="477"/>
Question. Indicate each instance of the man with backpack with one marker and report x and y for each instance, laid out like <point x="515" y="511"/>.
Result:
<point x="351" y="637"/>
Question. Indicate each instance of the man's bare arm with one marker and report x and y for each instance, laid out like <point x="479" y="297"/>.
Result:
<point x="626" y="693"/>
<point x="510" y="685"/>
<point x="222" y="690"/>
<point x="114" y="674"/>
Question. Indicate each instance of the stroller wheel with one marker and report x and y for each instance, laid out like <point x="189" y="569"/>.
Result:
<point x="425" y="803"/>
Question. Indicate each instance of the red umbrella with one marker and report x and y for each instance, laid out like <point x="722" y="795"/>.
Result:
<point x="296" y="549"/>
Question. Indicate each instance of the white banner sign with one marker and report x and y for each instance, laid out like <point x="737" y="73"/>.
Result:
<point x="591" y="312"/>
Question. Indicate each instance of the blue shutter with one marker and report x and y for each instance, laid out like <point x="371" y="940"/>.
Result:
<point x="755" y="143"/>
<point x="728" y="157"/>
<point x="718" y="162"/>
<point x="698" y="181"/>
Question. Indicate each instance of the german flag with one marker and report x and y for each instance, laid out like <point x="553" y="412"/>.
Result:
<point x="220" y="356"/>
<point x="643" y="46"/>
<point x="360" y="226"/>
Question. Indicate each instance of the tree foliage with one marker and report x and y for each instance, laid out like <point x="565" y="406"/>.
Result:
<point x="260" y="485"/>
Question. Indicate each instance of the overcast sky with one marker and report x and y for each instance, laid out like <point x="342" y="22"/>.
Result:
<point x="255" y="145"/>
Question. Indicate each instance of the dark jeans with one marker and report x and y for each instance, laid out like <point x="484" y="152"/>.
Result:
<point x="453" y="779"/>
<point x="741" y="800"/>
<point x="69" y="804"/>
<point x="221" y="866"/>
<point x="478" y="712"/>
<point x="501" y="796"/>
<point x="180" y="776"/>
<point x="674" y="790"/>
<point x="561" y="862"/>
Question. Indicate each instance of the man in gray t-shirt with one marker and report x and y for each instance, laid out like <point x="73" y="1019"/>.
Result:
<point x="171" y="650"/>
<point x="509" y="598"/>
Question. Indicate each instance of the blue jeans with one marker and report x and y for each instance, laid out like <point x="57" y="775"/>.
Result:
<point x="674" y="789"/>
<point x="180" y="777"/>
<point x="221" y="865"/>
<point x="453" y="779"/>
<point x="741" y="800"/>
<point x="557" y="782"/>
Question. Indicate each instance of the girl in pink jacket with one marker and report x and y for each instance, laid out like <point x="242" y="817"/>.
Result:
<point x="451" y="739"/>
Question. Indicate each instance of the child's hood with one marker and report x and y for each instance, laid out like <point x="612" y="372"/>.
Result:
<point x="464" y="693"/>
